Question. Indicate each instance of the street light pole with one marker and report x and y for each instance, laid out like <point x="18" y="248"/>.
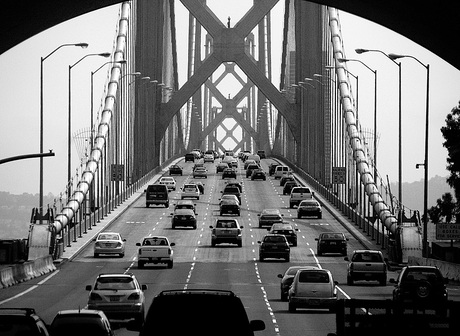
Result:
<point x="69" y="129"/>
<point x="425" y="164"/>
<point x="42" y="60"/>
<point x="361" y="51"/>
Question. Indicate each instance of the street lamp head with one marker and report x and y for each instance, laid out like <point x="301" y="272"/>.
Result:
<point x="360" y="51"/>
<point x="82" y="45"/>
<point x="395" y="56"/>
<point x="106" y="54"/>
<point x="145" y="78"/>
<point x="122" y="62"/>
<point x="342" y="60"/>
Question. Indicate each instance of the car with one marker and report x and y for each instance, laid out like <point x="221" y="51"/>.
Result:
<point x="175" y="170"/>
<point x="234" y="163"/>
<point x="118" y="295"/>
<point x="190" y="157"/>
<point x="22" y="321"/>
<point x="271" y="168"/>
<point x="261" y="154"/>
<point x="157" y="194"/>
<point x="228" y="197"/>
<point x="234" y="183"/>
<point x="168" y="181"/>
<point x="208" y="157"/>
<point x="185" y="204"/>
<point x="155" y="250"/>
<point x="288" y="187"/>
<point x="200" y="186"/>
<point x="230" y="207"/>
<point x="221" y="166"/>
<point x="229" y="173"/>
<point x="313" y="288"/>
<point x="420" y="284"/>
<point x="280" y="170"/>
<point x="200" y="172"/>
<point x="274" y="246"/>
<point x="215" y="309"/>
<point x="287" y="230"/>
<point x="198" y="164"/>
<point x="109" y="243"/>
<point x="286" y="177"/>
<point x="258" y="174"/>
<point x="248" y="162"/>
<point x="190" y="190"/>
<point x="268" y="217"/>
<point x="183" y="217"/>
<point x="286" y="280"/>
<point x="232" y="191"/>
<point x="366" y="265"/>
<point x="76" y="322"/>
<point x="331" y="242"/>
<point x="299" y="194"/>
<point x="309" y="207"/>
<point x="250" y="168"/>
<point x="226" y="231"/>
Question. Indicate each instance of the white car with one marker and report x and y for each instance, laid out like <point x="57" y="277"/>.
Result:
<point x="208" y="158"/>
<point x="313" y="288"/>
<point x="190" y="190"/>
<point x="109" y="243"/>
<point x="229" y="197"/>
<point x="169" y="181"/>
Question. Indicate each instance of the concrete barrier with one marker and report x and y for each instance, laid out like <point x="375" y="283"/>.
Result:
<point x="17" y="273"/>
<point x="6" y="277"/>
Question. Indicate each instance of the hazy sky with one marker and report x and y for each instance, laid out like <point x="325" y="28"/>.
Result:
<point x="19" y="93"/>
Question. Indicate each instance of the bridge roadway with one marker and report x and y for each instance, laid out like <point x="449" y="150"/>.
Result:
<point x="198" y="265"/>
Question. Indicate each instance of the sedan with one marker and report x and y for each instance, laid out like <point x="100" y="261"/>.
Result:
<point x="274" y="246"/>
<point x="170" y="182"/>
<point x="231" y="207"/>
<point x="220" y="167"/>
<point x="309" y="207"/>
<point x="200" y="172"/>
<point x="183" y="217"/>
<point x="109" y="243"/>
<point x="175" y="170"/>
<point x="258" y="174"/>
<point x="227" y="197"/>
<point x="331" y="242"/>
<point x="229" y="173"/>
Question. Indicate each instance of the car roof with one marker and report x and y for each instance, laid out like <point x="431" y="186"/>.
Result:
<point x="80" y="312"/>
<point x="185" y="201"/>
<point x="367" y="251"/>
<point x="271" y="211"/>
<point x="116" y="275"/>
<point x="184" y="211"/>
<point x="278" y="226"/>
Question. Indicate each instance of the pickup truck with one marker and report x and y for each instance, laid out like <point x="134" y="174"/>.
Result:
<point x="155" y="250"/>
<point x="298" y="194"/>
<point x="363" y="317"/>
<point x="367" y="265"/>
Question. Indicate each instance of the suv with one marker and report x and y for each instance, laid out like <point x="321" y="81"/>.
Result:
<point x="221" y="313"/>
<point x="331" y="242"/>
<point x="367" y="265"/>
<point x="298" y="194"/>
<point x="190" y="190"/>
<point x="287" y="230"/>
<point x="118" y="295"/>
<point x="420" y="284"/>
<point x="157" y="194"/>
<point x="274" y="246"/>
<point x="81" y="322"/>
<point x="270" y="216"/>
<point x="226" y="231"/>
<point x="22" y="321"/>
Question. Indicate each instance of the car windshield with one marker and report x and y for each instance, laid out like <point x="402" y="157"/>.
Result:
<point x="314" y="277"/>
<point x="114" y="283"/>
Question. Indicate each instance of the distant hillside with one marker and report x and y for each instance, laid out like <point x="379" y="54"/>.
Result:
<point x="15" y="213"/>
<point x="413" y="193"/>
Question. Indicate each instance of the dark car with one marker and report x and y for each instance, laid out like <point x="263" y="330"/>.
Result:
<point x="285" y="178"/>
<point x="288" y="187"/>
<point x="250" y="168"/>
<point x="157" y="194"/>
<point x="190" y="157"/>
<point x="331" y="242"/>
<point x="78" y="322"/>
<point x="183" y="217"/>
<point x="235" y="184"/>
<point x="220" y="313"/>
<point x="229" y="173"/>
<point x="200" y="186"/>
<point x="271" y="168"/>
<point x="220" y="167"/>
<point x="270" y="216"/>
<point x="175" y="170"/>
<point x="287" y="230"/>
<point x="21" y="321"/>
<point x="274" y="246"/>
<point x="422" y="284"/>
<point x="258" y="174"/>
<point x="309" y="207"/>
<point x="230" y="207"/>
<point x="261" y="154"/>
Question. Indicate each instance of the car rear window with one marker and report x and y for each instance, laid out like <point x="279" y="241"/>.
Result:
<point x="114" y="283"/>
<point x="226" y="224"/>
<point x="367" y="257"/>
<point x="332" y="236"/>
<point x="301" y="190"/>
<point x="313" y="277"/>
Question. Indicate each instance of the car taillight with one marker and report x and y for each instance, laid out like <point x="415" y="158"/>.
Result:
<point x="140" y="251"/>
<point x="169" y="251"/>
<point x="95" y="297"/>
<point x="97" y="244"/>
<point x="134" y="296"/>
<point x="119" y="244"/>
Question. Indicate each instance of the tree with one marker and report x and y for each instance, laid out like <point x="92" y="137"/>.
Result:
<point x="445" y="209"/>
<point x="451" y="134"/>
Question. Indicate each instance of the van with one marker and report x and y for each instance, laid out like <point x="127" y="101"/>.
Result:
<point x="254" y="157"/>
<point x="280" y="170"/>
<point x="157" y="194"/>
<point x="190" y="157"/>
<point x="261" y="153"/>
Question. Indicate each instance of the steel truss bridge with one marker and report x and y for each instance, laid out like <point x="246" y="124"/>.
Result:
<point x="306" y="119"/>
